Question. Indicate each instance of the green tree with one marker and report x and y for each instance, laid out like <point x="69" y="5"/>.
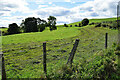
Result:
<point x="85" y="22"/>
<point x="13" y="29"/>
<point x="41" y="24"/>
<point x="30" y="24"/>
<point x="52" y="22"/>
<point x="22" y="24"/>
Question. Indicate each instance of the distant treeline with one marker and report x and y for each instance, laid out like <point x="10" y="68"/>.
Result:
<point x="3" y="27"/>
<point x="31" y="24"/>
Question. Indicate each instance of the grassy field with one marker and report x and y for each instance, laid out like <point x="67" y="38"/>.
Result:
<point x="23" y="52"/>
<point x="95" y="20"/>
<point x="3" y="29"/>
<point x="60" y="33"/>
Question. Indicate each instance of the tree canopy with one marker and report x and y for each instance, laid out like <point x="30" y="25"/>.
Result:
<point x="85" y="22"/>
<point x="41" y="24"/>
<point x="30" y="24"/>
<point x="52" y="22"/>
<point x="13" y="29"/>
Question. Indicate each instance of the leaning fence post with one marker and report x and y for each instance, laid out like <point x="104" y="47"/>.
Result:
<point x="44" y="57"/>
<point x="3" y="69"/>
<point x="70" y="59"/>
<point x="106" y="38"/>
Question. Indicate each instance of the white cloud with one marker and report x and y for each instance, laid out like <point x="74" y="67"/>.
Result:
<point x="50" y="3"/>
<point x="42" y="6"/>
<point x="7" y="6"/>
<point x="67" y="0"/>
<point x="53" y="11"/>
<point x="89" y="9"/>
<point x="97" y="8"/>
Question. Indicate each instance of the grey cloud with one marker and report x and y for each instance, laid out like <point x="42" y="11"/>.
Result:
<point x="7" y="7"/>
<point x="86" y="8"/>
<point x="3" y="5"/>
<point x="1" y="14"/>
<point x="62" y="13"/>
<point x="11" y="5"/>
<point x="94" y="14"/>
<point x="19" y="18"/>
<point x="54" y="12"/>
<point x="4" y="9"/>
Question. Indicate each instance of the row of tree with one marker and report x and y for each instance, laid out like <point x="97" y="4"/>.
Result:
<point x="84" y="22"/>
<point x="32" y="24"/>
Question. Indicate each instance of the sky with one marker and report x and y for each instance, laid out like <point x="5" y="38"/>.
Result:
<point x="66" y="11"/>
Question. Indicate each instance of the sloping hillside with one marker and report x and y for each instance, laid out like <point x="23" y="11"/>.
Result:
<point x="23" y="52"/>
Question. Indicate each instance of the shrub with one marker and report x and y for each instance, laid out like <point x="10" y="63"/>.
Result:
<point x="76" y="25"/>
<point x="65" y="25"/>
<point x="85" y="22"/>
<point x="114" y="25"/>
<point x="104" y="25"/>
<point x="92" y="23"/>
<point x="4" y="33"/>
<point x="98" y="25"/>
<point x="110" y="27"/>
<point x="70" y="25"/>
<point x="79" y="24"/>
<point x="13" y="29"/>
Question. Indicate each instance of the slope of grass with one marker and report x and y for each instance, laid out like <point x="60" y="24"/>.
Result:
<point x="95" y="20"/>
<point x="23" y="52"/>
<point x="3" y="29"/>
<point x="40" y="36"/>
<point x="104" y="19"/>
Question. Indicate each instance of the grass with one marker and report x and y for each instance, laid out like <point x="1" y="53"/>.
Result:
<point x="95" y="20"/>
<point x="104" y="19"/>
<point x="40" y="36"/>
<point x="3" y="29"/>
<point x="23" y="52"/>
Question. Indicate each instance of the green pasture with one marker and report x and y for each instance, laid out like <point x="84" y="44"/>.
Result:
<point x="24" y="52"/>
<point x="46" y="35"/>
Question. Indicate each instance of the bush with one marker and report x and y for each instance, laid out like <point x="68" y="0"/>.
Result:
<point x="98" y="25"/>
<point x="70" y="25"/>
<point x="114" y="25"/>
<point x="65" y="25"/>
<point x="85" y="22"/>
<point x="79" y="24"/>
<point x="92" y="23"/>
<point x="13" y="29"/>
<point x="4" y="33"/>
<point x="76" y="25"/>
<point x="104" y="25"/>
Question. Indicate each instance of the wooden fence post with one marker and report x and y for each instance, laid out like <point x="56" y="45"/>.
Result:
<point x="44" y="58"/>
<point x="3" y="69"/>
<point x="106" y="38"/>
<point x="70" y="59"/>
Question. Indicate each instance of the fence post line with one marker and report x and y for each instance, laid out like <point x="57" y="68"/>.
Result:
<point x="3" y="69"/>
<point x="106" y="38"/>
<point x="70" y="59"/>
<point x="44" y="58"/>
